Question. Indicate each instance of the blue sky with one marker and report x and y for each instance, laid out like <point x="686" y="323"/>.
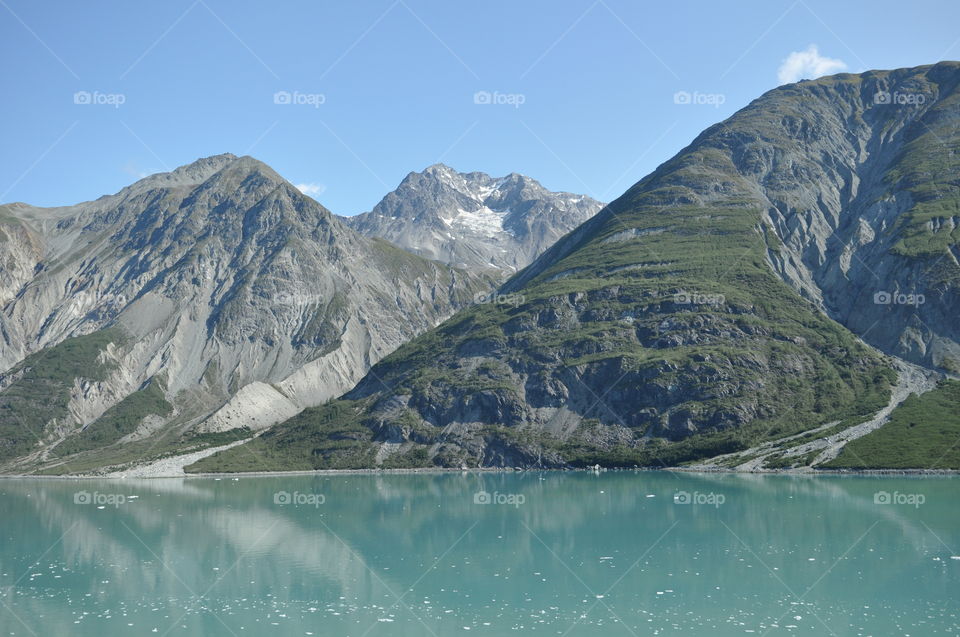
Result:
<point x="577" y="94"/>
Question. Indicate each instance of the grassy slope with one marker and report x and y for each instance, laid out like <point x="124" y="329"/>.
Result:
<point x="118" y="421"/>
<point x="929" y="169"/>
<point x="41" y="391"/>
<point x="923" y="433"/>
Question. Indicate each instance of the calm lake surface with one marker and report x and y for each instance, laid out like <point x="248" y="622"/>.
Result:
<point x="481" y="554"/>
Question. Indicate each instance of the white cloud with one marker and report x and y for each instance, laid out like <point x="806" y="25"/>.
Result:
<point x="807" y="65"/>
<point x="311" y="189"/>
<point x="131" y="169"/>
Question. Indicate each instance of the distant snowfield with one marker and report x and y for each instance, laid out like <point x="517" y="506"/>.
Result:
<point x="485" y="221"/>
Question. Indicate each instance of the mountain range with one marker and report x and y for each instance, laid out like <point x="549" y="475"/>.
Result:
<point x="781" y="277"/>
<point x="770" y="297"/>
<point x="214" y="298"/>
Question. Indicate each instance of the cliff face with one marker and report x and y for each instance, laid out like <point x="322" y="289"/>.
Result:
<point x="218" y="289"/>
<point x="701" y="311"/>
<point x="864" y="202"/>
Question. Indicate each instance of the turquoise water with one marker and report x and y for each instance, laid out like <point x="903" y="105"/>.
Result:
<point x="481" y="554"/>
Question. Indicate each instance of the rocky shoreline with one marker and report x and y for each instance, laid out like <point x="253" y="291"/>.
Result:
<point x="807" y="472"/>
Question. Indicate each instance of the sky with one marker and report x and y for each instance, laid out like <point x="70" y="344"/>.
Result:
<point x="345" y="98"/>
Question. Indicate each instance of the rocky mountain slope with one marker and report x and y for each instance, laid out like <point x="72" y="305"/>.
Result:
<point x="698" y="314"/>
<point x="474" y="220"/>
<point x="215" y="297"/>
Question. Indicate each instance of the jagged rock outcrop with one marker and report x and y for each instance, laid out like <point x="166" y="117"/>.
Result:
<point x="858" y="176"/>
<point x="474" y="220"/>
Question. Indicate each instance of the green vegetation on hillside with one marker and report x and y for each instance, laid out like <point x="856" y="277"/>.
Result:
<point x="325" y="437"/>
<point x="118" y="421"/>
<point x="923" y="433"/>
<point x="41" y="385"/>
<point x="929" y="170"/>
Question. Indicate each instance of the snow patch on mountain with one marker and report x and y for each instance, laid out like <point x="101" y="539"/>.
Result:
<point x="484" y="221"/>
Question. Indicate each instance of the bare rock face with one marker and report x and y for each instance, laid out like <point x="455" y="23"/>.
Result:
<point x="474" y="220"/>
<point x="857" y="175"/>
<point x="219" y="284"/>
